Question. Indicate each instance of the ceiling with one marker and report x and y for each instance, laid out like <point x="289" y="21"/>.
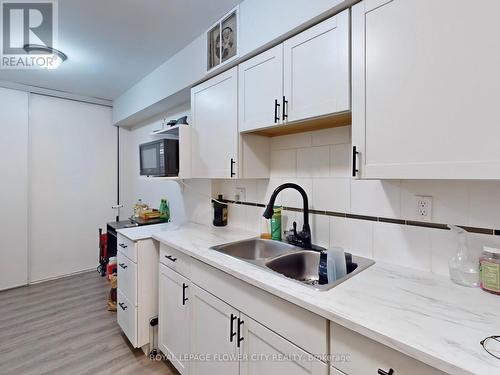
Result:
<point x="112" y="44"/>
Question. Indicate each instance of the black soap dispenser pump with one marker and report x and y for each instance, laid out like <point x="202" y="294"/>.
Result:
<point x="220" y="212"/>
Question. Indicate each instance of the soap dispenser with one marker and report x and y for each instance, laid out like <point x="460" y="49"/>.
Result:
<point x="463" y="270"/>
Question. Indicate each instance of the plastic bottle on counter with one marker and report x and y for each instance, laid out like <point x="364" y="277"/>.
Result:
<point x="489" y="269"/>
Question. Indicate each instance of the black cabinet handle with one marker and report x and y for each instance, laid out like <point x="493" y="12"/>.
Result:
<point x="184" y="298"/>
<point x="240" y="338"/>
<point x="123" y="265"/>
<point x="355" y="153"/>
<point x="285" y="108"/>
<point x="170" y="257"/>
<point x="123" y="306"/>
<point x="232" y="168"/>
<point x="382" y="372"/>
<point x="231" y="328"/>
<point x="276" y="111"/>
<point x="123" y="246"/>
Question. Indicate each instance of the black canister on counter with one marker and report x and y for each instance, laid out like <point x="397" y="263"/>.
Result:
<point x="220" y="212"/>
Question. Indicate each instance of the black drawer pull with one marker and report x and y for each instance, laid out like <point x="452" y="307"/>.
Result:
<point x="276" y="111"/>
<point x="123" y="246"/>
<point x="382" y="372"/>
<point x="123" y="306"/>
<point x="170" y="257"/>
<point x="184" y="298"/>
<point x="240" y="338"/>
<point x="123" y="265"/>
<point x="233" y="173"/>
<point x="231" y="328"/>
<point x="285" y="108"/>
<point x="355" y="153"/>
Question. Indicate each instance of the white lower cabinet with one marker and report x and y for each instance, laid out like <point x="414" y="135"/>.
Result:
<point x="174" y="309"/>
<point x="214" y="335"/>
<point x="137" y="288"/>
<point x="266" y="352"/>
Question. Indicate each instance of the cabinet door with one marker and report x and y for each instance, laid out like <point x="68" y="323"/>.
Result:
<point x="174" y="318"/>
<point x="214" y="106"/>
<point x="261" y="90"/>
<point x="425" y="89"/>
<point x="316" y="66"/>
<point x="214" y="349"/>
<point x="264" y="352"/>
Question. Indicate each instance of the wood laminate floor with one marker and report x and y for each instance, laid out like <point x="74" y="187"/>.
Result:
<point x="62" y="327"/>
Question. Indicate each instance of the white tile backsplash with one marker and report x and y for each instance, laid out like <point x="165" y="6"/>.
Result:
<point x="340" y="162"/>
<point x="284" y="163"/>
<point x="331" y="194"/>
<point x="320" y="162"/>
<point x="402" y="245"/>
<point x="376" y="198"/>
<point x="313" y="161"/>
<point x="355" y="236"/>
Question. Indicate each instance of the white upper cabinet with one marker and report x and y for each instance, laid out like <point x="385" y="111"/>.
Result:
<point x="306" y="76"/>
<point x="214" y="107"/>
<point x="425" y="89"/>
<point x="316" y="70"/>
<point x="261" y="90"/>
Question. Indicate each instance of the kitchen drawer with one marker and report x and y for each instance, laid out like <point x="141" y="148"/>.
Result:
<point x="127" y="277"/>
<point x="127" y="317"/>
<point x="367" y="356"/>
<point x="127" y="247"/>
<point x="176" y="260"/>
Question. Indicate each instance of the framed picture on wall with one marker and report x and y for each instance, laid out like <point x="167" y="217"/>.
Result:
<point x="222" y="40"/>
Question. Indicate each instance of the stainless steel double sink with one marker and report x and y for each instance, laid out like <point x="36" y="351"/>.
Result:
<point x="288" y="261"/>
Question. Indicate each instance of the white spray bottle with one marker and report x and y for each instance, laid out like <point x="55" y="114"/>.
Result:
<point x="463" y="270"/>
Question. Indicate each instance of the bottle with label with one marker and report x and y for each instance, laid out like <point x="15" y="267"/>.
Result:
<point x="276" y="224"/>
<point x="165" y="210"/>
<point x="220" y="212"/>
<point x="489" y="268"/>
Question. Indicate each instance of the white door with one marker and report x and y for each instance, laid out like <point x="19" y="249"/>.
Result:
<point x="261" y="90"/>
<point x="214" y="106"/>
<point x="72" y="184"/>
<point x="265" y="352"/>
<point x="316" y="67"/>
<point x="174" y="318"/>
<point x="14" y="188"/>
<point x="214" y="335"/>
<point x="425" y="89"/>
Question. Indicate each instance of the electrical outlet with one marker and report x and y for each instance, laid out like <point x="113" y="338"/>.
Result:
<point x="240" y="194"/>
<point x="424" y="208"/>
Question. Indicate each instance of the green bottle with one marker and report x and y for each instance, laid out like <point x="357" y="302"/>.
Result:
<point x="276" y="224"/>
<point x="164" y="210"/>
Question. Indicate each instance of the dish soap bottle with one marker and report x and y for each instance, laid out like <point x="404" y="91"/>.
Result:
<point x="220" y="212"/>
<point x="276" y="224"/>
<point x="165" y="210"/>
<point x="463" y="270"/>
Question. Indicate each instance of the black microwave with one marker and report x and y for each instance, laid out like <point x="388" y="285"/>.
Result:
<point x="160" y="158"/>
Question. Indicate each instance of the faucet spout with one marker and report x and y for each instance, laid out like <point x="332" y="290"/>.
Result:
<point x="303" y="237"/>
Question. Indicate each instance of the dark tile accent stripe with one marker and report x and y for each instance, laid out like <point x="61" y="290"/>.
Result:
<point x="361" y="217"/>
<point x="477" y="230"/>
<point x="391" y="221"/>
<point x="427" y="224"/>
<point x="413" y="223"/>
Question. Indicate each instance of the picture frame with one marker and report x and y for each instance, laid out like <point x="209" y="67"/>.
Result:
<point x="222" y="40"/>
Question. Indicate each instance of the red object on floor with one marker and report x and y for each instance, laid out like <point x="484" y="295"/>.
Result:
<point x="110" y="269"/>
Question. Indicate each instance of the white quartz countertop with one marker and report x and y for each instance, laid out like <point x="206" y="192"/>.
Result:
<point x="146" y="231"/>
<point x="418" y="313"/>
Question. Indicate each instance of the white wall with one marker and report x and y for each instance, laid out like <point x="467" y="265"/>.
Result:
<point x="72" y="184"/>
<point x="185" y="203"/>
<point x="261" y="22"/>
<point x="13" y="188"/>
<point x="321" y="163"/>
